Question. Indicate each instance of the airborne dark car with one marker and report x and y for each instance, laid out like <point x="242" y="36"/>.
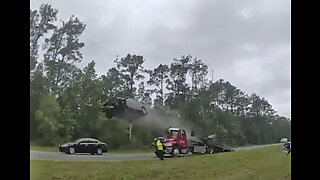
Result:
<point x="121" y="107"/>
<point x="84" y="145"/>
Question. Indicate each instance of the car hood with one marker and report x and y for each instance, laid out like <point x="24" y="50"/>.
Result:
<point x="104" y="143"/>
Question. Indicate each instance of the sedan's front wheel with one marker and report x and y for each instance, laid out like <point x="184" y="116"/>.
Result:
<point x="72" y="150"/>
<point x="99" y="151"/>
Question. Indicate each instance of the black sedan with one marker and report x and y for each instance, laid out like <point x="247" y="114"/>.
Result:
<point x="84" y="145"/>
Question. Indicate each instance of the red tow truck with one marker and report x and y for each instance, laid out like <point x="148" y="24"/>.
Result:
<point x="176" y="142"/>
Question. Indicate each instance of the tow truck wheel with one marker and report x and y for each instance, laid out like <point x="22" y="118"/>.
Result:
<point x="192" y="151"/>
<point x="188" y="151"/>
<point x="175" y="152"/>
<point x="211" y="151"/>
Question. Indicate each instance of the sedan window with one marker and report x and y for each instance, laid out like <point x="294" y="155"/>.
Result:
<point x="83" y="142"/>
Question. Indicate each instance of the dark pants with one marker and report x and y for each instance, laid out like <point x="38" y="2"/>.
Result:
<point x="289" y="151"/>
<point x="160" y="154"/>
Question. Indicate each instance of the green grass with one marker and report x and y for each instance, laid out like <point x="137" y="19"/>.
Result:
<point x="44" y="148"/>
<point x="267" y="163"/>
<point x="113" y="151"/>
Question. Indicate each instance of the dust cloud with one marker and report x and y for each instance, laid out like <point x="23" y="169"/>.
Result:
<point x="160" y="120"/>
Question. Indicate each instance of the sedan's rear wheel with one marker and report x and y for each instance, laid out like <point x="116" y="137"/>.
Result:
<point x="72" y="150"/>
<point x="99" y="151"/>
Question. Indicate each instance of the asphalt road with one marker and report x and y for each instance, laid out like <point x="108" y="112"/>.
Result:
<point x="107" y="156"/>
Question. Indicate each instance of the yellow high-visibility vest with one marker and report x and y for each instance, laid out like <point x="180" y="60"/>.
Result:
<point x="159" y="145"/>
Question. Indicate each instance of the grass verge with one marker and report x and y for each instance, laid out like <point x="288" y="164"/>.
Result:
<point x="44" y="148"/>
<point x="257" y="164"/>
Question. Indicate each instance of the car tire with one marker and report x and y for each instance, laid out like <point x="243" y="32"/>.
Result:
<point x="175" y="152"/>
<point x="211" y="151"/>
<point x="92" y="153"/>
<point x="109" y="117"/>
<point x="99" y="151"/>
<point x="71" y="150"/>
<point x="188" y="151"/>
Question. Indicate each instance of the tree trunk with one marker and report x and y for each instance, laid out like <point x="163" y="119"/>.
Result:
<point x="161" y="92"/>
<point x="130" y="131"/>
<point x="131" y="85"/>
<point x="59" y="74"/>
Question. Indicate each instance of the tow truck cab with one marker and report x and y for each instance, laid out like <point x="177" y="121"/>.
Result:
<point x="177" y="137"/>
<point x="176" y="142"/>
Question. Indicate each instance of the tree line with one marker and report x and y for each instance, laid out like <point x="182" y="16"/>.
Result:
<point x="65" y="100"/>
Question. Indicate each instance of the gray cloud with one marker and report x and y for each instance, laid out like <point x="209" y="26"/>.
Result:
<point x="246" y="42"/>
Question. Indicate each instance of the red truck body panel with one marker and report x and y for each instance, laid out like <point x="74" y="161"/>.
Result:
<point x="180" y="140"/>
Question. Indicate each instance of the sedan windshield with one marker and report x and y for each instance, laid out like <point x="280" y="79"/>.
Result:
<point x="77" y="141"/>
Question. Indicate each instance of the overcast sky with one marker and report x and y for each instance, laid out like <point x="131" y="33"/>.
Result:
<point x="245" y="42"/>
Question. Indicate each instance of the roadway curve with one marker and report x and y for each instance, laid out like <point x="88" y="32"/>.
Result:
<point x="106" y="156"/>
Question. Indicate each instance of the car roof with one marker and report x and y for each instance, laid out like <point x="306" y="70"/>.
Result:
<point x="174" y="129"/>
<point x="87" y="139"/>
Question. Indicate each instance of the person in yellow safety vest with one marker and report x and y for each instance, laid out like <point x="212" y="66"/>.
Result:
<point x="159" y="149"/>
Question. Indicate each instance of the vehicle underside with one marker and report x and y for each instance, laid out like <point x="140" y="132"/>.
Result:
<point x="125" y="108"/>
